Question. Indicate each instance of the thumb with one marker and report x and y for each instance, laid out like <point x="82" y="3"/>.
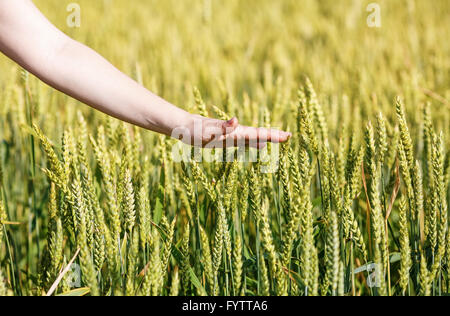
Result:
<point x="230" y="126"/>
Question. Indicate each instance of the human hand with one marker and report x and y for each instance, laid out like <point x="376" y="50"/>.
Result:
<point x="213" y="133"/>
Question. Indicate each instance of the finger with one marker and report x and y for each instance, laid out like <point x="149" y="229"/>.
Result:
<point x="213" y="129"/>
<point x="273" y="135"/>
<point x="244" y="136"/>
<point x="258" y="145"/>
<point x="230" y="126"/>
<point x="230" y="141"/>
<point x="264" y="135"/>
<point x="227" y="141"/>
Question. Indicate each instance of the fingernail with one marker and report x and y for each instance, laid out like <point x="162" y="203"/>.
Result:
<point x="232" y="122"/>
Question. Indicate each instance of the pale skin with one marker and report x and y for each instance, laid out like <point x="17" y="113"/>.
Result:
<point x="29" y="39"/>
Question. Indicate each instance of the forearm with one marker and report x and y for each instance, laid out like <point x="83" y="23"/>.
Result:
<point x="28" y="38"/>
<point x="83" y="74"/>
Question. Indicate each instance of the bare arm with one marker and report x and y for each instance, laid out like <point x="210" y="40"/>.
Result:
<point x="28" y="38"/>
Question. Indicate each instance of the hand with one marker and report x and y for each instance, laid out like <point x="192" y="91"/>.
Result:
<point x="212" y="133"/>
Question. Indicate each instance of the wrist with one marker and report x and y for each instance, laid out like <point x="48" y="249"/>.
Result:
<point x="181" y="123"/>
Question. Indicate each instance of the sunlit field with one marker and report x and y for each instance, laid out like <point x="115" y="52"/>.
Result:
<point x="355" y="204"/>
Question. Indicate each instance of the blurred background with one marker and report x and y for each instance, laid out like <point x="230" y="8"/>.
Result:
<point x="248" y="44"/>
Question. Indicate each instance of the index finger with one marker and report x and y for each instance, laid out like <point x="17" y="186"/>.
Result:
<point x="253" y="134"/>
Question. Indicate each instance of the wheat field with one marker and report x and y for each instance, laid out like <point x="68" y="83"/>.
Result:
<point x="356" y="203"/>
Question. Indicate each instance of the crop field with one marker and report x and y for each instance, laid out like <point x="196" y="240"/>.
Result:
<point x="354" y="204"/>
